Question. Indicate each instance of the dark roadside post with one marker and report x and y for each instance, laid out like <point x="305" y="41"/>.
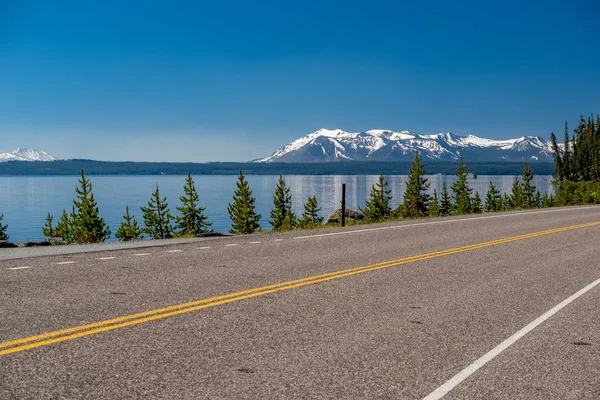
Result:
<point x="343" y="204"/>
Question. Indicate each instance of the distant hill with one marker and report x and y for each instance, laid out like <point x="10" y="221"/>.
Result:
<point x="327" y="145"/>
<point x="26" y="155"/>
<point x="74" y="167"/>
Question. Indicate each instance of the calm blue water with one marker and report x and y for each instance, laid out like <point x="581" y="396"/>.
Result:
<point x="25" y="201"/>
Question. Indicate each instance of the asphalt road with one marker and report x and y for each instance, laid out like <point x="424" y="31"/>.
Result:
<point x="484" y="307"/>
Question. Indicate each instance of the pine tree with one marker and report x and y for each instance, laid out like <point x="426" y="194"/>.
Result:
<point x="493" y="199"/>
<point x="476" y="205"/>
<point x="310" y="216"/>
<point x="434" y="205"/>
<point x="516" y="196"/>
<point x="87" y="226"/>
<point x="537" y="201"/>
<point x="377" y="208"/>
<point x="157" y="218"/>
<point x="567" y="157"/>
<point x="528" y="190"/>
<point x="244" y="219"/>
<point x="462" y="191"/>
<point x="547" y="201"/>
<point x="3" y="228"/>
<point x="129" y="229"/>
<point x="48" y="230"/>
<point x="282" y="217"/>
<point x="445" y="203"/>
<point x="416" y="198"/>
<point x="506" y="203"/>
<point x="557" y="154"/>
<point x="64" y="227"/>
<point x="192" y="221"/>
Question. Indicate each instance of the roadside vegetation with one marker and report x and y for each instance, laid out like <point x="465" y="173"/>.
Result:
<point x="3" y="228"/>
<point x="577" y="176"/>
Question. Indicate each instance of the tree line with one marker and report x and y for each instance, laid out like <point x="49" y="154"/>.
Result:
<point x="84" y="224"/>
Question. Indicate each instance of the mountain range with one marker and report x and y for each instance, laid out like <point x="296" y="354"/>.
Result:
<point x="327" y="145"/>
<point x="26" y="155"/>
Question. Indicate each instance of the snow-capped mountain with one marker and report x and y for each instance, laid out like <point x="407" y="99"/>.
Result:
<point x="383" y="145"/>
<point x="26" y="155"/>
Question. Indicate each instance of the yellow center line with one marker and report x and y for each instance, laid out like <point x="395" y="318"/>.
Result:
<point x="31" y="342"/>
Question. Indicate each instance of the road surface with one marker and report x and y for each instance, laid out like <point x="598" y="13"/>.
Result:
<point x="500" y="306"/>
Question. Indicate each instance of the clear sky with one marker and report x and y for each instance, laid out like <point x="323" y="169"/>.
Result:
<point x="235" y="80"/>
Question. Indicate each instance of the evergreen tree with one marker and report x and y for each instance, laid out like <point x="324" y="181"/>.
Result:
<point x="547" y="201"/>
<point x="157" y="218"/>
<point x="567" y="157"/>
<point x="192" y="220"/>
<point x="282" y="217"/>
<point x="87" y="226"/>
<point x="416" y="198"/>
<point x="476" y="206"/>
<point x="493" y="199"/>
<point x="445" y="204"/>
<point x="310" y="216"/>
<point x="377" y="208"/>
<point x="506" y="203"/>
<point x="462" y="191"/>
<point x="434" y="205"/>
<point x="64" y="227"/>
<point x="48" y="229"/>
<point x="516" y="196"/>
<point x="241" y="211"/>
<point x="537" y="201"/>
<point x="3" y="228"/>
<point x="129" y="229"/>
<point x="528" y="190"/>
<point x="557" y="153"/>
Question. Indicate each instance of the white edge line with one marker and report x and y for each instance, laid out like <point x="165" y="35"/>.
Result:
<point x="15" y="268"/>
<point x="490" y="355"/>
<point x="499" y="215"/>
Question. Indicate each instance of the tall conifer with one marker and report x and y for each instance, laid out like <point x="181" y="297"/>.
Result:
<point x="377" y="208"/>
<point x="445" y="203"/>
<point x="434" y="205"/>
<point x="528" y="189"/>
<point x="157" y="217"/>
<point x="493" y="199"/>
<point x="282" y="217"/>
<point x="462" y="191"/>
<point x="192" y="220"/>
<point x="516" y="195"/>
<point x="476" y="205"/>
<point x="416" y="198"/>
<point x="87" y="226"/>
<point x="244" y="219"/>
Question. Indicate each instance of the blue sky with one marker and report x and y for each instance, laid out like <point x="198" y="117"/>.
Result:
<point x="234" y="80"/>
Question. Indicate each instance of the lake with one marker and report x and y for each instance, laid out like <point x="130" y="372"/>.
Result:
<point x="25" y="201"/>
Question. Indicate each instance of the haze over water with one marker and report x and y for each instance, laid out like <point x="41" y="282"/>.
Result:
<point x="25" y="201"/>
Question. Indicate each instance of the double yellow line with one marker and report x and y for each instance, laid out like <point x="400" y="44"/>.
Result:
<point x="46" y="339"/>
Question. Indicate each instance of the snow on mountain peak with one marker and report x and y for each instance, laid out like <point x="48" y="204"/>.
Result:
<point x="25" y="154"/>
<point x="387" y="145"/>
